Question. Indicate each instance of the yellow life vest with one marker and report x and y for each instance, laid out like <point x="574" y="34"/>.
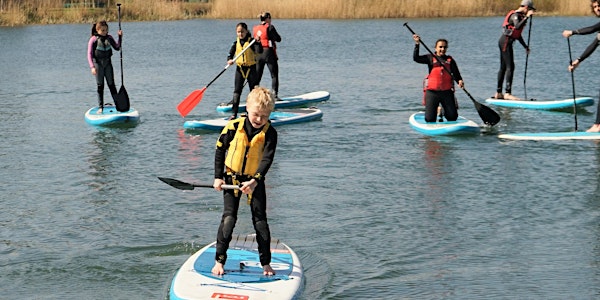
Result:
<point x="244" y="154"/>
<point x="246" y="59"/>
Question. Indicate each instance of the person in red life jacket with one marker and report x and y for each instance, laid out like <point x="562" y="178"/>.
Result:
<point x="268" y="37"/>
<point x="246" y="63"/>
<point x="244" y="153"/>
<point x="98" y="54"/>
<point x="440" y="84"/>
<point x="595" y="5"/>
<point x="512" y="29"/>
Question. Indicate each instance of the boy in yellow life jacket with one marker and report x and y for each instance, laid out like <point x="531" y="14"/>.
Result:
<point x="244" y="153"/>
<point x="245" y="64"/>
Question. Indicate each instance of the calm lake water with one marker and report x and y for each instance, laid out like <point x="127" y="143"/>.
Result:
<point x="374" y="209"/>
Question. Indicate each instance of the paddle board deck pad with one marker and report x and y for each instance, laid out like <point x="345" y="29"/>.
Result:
<point x="111" y="116"/>
<point x="295" y="101"/>
<point x="280" y="117"/>
<point x="243" y="278"/>
<point x="552" y="136"/>
<point x="459" y="127"/>
<point x="542" y="104"/>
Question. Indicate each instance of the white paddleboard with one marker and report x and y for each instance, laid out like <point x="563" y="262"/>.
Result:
<point x="542" y="104"/>
<point x="243" y="278"/>
<point x="110" y="116"/>
<point x="278" y="117"/>
<point x="551" y="136"/>
<point x="295" y="101"/>
<point x="458" y="127"/>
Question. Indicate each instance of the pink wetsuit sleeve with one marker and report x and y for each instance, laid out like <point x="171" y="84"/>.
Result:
<point x="90" y="52"/>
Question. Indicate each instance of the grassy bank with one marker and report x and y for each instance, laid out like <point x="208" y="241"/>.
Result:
<point x="22" y="12"/>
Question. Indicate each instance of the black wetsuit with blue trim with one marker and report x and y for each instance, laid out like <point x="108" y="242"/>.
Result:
<point x="589" y="50"/>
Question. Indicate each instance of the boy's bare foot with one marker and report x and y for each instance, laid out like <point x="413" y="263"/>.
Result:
<point x="218" y="269"/>
<point x="99" y="111"/>
<point x="498" y="96"/>
<point x="267" y="270"/>
<point x="510" y="97"/>
<point x="594" y="128"/>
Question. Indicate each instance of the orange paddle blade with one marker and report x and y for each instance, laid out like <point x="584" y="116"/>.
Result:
<point x="185" y="106"/>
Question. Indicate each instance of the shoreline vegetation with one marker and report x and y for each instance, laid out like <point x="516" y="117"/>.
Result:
<point x="29" y="12"/>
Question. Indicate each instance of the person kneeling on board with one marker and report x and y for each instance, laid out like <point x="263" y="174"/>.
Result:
<point x="439" y="87"/>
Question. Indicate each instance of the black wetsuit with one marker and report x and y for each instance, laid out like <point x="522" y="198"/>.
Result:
<point x="505" y="43"/>
<point x="269" y="57"/>
<point x="99" y="56"/>
<point x="434" y="98"/>
<point x="231" y="202"/>
<point x="243" y="73"/>
<point x="589" y="50"/>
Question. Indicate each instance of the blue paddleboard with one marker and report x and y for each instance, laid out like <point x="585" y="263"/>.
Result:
<point x="243" y="278"/>
<point x="458" y="127"/>
<point x="295" y="101"/>
<point x="551" y="136"/>
<point x="110" y="116"/>
<point x="542" y="104"/>
<point x="279" y="117"/>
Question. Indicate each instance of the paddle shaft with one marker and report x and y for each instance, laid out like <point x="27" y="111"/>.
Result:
<point x="572" y="82"/>
<point x="120" y="46"/>
<point x="178" y="184"/>
<point x="234" y="59"/>
<point x="478" y="106"/>
<point x="224" y="186"/>
<point x="527" y="56"/>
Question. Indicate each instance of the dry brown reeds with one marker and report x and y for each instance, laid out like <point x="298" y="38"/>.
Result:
<point x="369" y="9"/>
<point x="19" y="12"/>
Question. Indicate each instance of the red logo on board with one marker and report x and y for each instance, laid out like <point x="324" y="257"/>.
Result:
<point x="229" y="296"/>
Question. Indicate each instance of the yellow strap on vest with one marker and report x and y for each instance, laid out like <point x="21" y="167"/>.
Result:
<point x="235" y="181"/>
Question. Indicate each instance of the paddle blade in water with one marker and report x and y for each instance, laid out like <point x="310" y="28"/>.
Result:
<point x="190" y="102"/>
<point x="122" y="101"/>
<point x="488" y="115"/>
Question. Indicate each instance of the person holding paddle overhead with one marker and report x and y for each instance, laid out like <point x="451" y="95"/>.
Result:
<point x="513" y="26"/>
<point x="268" y="36"/>
<point x="439" y="88"/>
<point x="244" y="153"/>
<point x="98" y="54"/>
<point x="246" y="63"/>
<point x="595" y="5"/>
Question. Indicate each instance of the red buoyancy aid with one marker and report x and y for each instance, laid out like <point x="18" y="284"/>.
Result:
<point x="439" y="79"/>
<point x="264" y="37"/>
<point x="509" y="29"/>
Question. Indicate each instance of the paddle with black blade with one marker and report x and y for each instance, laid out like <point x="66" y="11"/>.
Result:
<point x="189" y="102"/>
<point x="488" y="115"/>
<point x="122" y="101"/>
<point x="572" y="82"/>
<point x="527" y="56"/>
<point x="178" y="184"/>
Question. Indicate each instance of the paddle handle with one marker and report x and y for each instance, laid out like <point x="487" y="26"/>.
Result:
<point x="224" y="186"/>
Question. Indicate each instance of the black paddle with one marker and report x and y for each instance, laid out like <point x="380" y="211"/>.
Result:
<point x="488" y="115"/>
<point x="572" y="82"/>
<point x="527" y="57"/>
<point x="178" y="184"/>
<point x="122" y="101"/>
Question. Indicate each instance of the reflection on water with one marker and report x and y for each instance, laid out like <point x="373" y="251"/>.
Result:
<point x="103" y="156"/>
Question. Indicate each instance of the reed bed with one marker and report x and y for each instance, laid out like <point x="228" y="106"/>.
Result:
<point x="22" y="12"/>
<point x="373" y="9"/>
